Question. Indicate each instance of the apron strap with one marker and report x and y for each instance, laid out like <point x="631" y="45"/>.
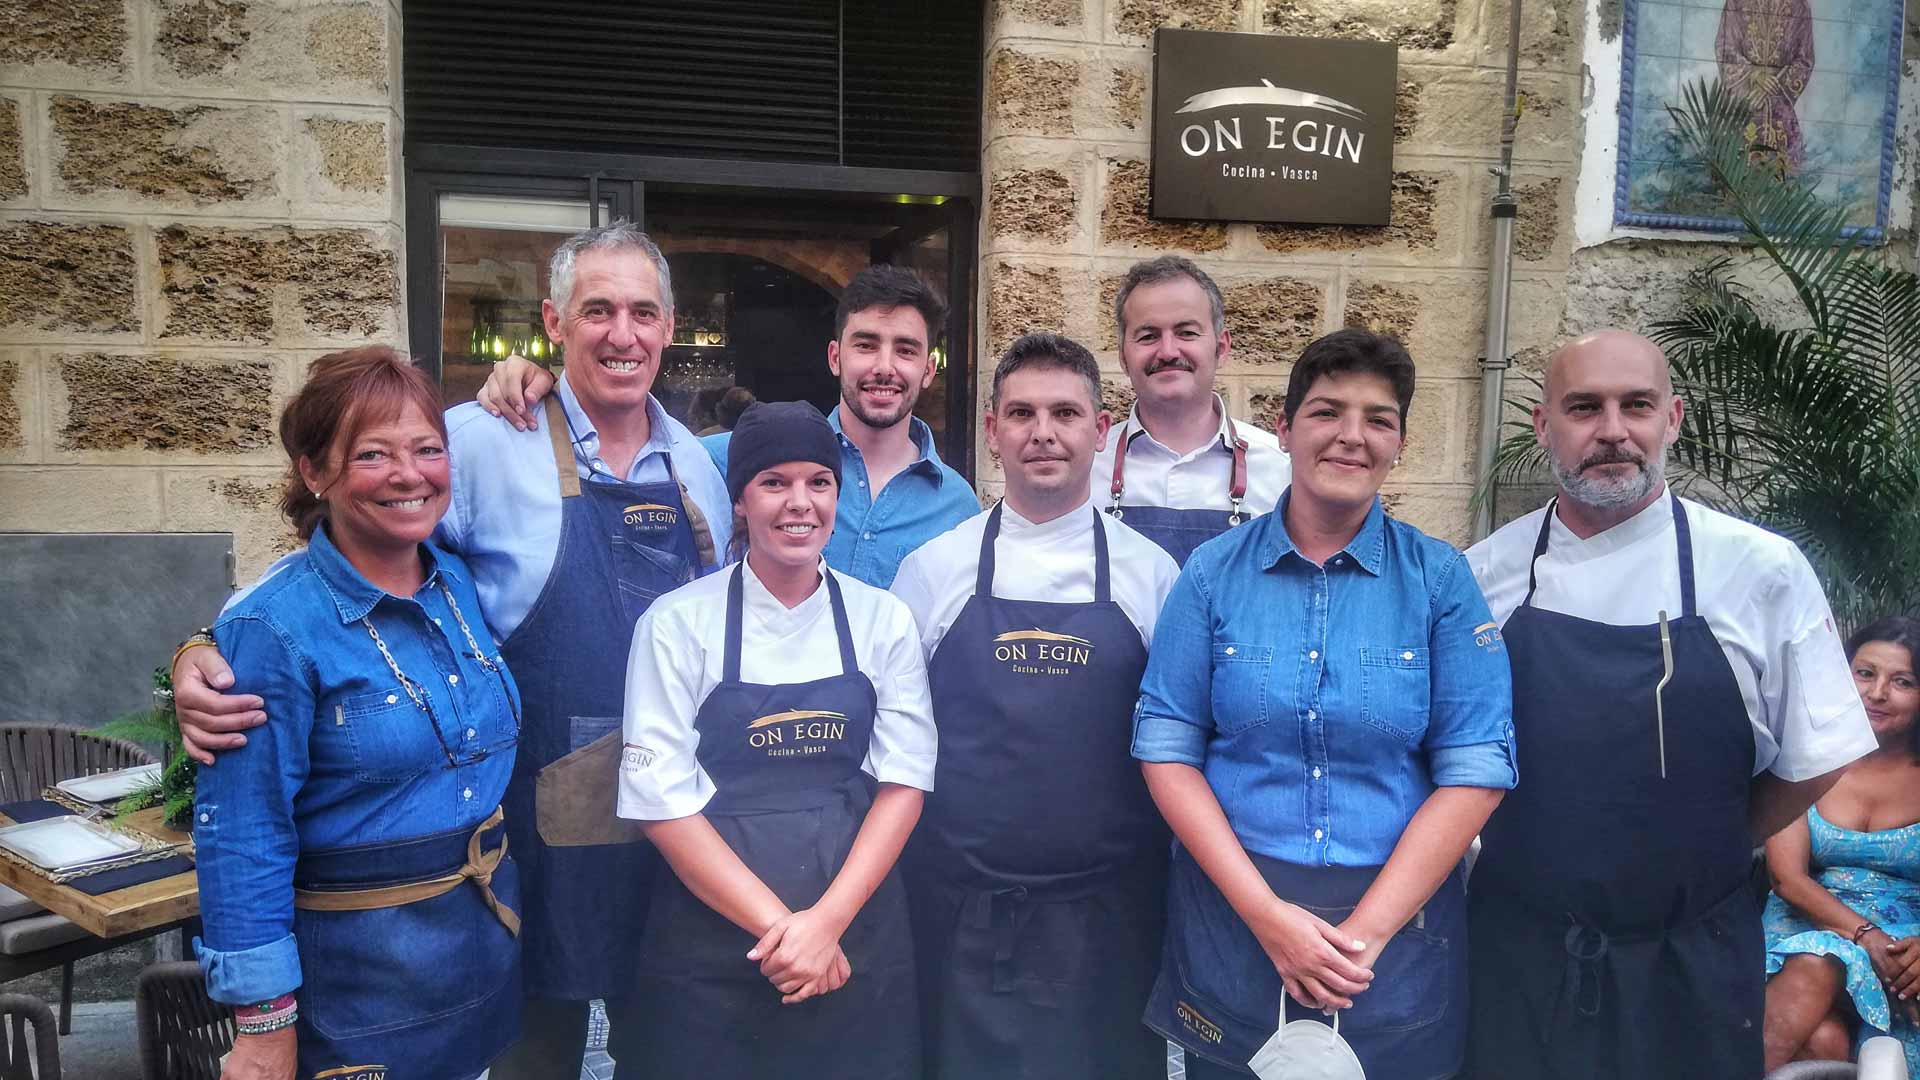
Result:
<point x="1539" y="549"/>
<point x="1102" y="586"/>
<point x="1237" y="485"/>
<point x="849" y="664"/>
<point x="564" y="461"/>
<point x="983" y="578"/>
<point x="1683" y="541"/>
<point x="696" y="521"/>
<point x="736" y="601"/>
<point x="1119" y="469"/>
<point x="479" y="869"/>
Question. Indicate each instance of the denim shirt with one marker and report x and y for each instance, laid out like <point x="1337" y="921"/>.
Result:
<point x="345" y="757"/>
<point x="872" y="533"/>
<point x="1325" y="703"/>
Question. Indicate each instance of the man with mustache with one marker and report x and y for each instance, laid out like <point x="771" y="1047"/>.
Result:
<point x="1680" y="694"/>
<point x="1180" y="469"/>
<point x="533" y="513"/>
<point x="1037" y="873"/>
<point x="898" y="493"/>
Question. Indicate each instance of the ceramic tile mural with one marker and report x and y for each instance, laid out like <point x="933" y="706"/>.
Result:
<point x="1823" y="76"/>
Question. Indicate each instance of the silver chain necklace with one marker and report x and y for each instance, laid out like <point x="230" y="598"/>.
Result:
<point x="407" y="684"/>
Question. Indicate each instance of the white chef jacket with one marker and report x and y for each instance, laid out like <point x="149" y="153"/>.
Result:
<point x="1198" y="480"/>
<point x="1051" y="561"/>
<point x="678" y="657"/>
<point x="1756" y="591"/>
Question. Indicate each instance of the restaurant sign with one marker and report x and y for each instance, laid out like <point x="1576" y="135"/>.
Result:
<point x="1257" y="127"/>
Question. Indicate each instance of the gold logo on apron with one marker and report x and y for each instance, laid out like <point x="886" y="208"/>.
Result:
<point x="650" y="516"/>
<point x="796" y="732"/>
<point x="1042" y="652"/>
<point x="1201" y="1027"/>
<point x="353" y="1072"/>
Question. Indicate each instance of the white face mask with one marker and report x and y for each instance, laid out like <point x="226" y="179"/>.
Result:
<point x="1306" y="1050"/>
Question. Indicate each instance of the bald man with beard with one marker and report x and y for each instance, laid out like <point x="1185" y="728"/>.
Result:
<point x="1680" y="694"/>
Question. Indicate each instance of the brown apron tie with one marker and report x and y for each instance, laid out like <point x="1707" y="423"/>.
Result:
<point x="479" y="869"/>
<point x="568" y="466"/>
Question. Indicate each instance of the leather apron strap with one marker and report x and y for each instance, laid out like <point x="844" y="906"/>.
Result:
<point x="478" y="869"/>
<point x="567" y="465"/>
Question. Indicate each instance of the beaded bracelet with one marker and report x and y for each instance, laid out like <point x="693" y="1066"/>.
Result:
<point x="266" y="1016"/>
<point x="1862" y="930"/>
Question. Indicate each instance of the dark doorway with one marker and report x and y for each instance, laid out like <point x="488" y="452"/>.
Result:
<point x="744" y="322"/>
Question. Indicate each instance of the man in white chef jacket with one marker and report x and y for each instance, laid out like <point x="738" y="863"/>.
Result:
<point x="1180" y="469"/>
<point x="1680" y="694"/>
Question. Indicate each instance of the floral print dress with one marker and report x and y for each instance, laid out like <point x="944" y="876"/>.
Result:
<point x="1877" y="874"/>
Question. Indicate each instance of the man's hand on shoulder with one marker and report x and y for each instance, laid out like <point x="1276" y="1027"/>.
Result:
<point x="513" y="388"/>
<point x="211" y="720"/>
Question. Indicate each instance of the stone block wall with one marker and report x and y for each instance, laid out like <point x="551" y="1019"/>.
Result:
<point x="1065" y="174"/>
<point x="197" y="198"/>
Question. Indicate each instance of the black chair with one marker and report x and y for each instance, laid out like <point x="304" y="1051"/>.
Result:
<point x="183" y="1032"/>
<point x="16" y="1063"/>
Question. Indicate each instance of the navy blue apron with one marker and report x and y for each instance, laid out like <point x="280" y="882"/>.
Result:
<point x="1218" y="994"/>
<point x="621" y="545"/>
<point x="1614" y="930"/>
<point x="1038" y="871"/>
<point x="1179" y="532"/>
<point x="789" y="798"/>
<point x="428" y="989"/>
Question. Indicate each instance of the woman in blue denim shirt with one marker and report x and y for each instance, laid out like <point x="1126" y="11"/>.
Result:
<point x="358" y="906"/>
<point x="1326" y="722"/>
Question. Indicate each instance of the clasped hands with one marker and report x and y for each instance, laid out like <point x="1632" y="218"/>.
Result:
<point x="1322" y="966"/>
<point x="1897" y="963"/>
<point x="800" y="955"/>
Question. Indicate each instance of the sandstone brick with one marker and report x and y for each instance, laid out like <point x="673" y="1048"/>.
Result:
<point x="13" y="159"/>
<point x="1116" y="396"/>
<point x="12" y="414"/>
<point x="202" y="37"/>
<point x="245" y="504"/>
<point x="353" y="153"/>
<point x="1126" y="98"/>
<point x="89" y="34"/>
<point x="1140" y="18"/>
<point x="43" y="499"/>
<point x="1268" y="406"/>
<point x="1410" y="24"/>
<point x="122" y="402"/>
<point x="1442" y="318"/>
<point x="1460" y="109"/>
<point x="1107" y="335"/>
<point x="274" y="49"/>
<point x="351" y="43"/>
<point x="1124" y="221"/>
<point x="1020" y="300"/>
<point x="1544" y="217"/>
<point x="1432" y="437"/>
<point x="1406" y="109"/>
<point x="1414" y="222"/>
<point x="1439" y="510"/>
<point x="1058" y="13"/>
<point x="1032" y="93"/>
<point x="260" y="285"/>
<point x="1038" y="203"/>
<point x="194" y="156"/>
<point x="342" y="163"/>
<point x="65" y="279"/>
<point x="1548" y="30"/>
<point x="1272" y="319"/>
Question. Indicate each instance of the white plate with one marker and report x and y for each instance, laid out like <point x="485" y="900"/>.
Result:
<point x="63" y="843"/>
<point x="108" y="786"/>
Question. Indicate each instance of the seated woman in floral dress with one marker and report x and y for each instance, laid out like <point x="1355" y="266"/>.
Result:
<point x="1843" y="923"/>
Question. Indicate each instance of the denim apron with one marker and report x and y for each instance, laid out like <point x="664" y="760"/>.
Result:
<point x="1038" y="872"/>
<point x="1615" y="930"/>
<point x="621" y="545"/>
<point x="1179" y="532"/>
<point x="408" y="957"/>
<point x="789" y="798"/>
<point x="1218" y="994"/>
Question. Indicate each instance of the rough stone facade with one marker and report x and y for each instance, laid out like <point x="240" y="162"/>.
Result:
<point x="197" y="198"/>
<point x="1068" y="89"/>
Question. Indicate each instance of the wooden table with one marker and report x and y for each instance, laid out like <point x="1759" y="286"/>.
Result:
<point x="122" y="912"/>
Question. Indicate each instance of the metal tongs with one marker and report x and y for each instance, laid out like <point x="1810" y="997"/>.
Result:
<point x="1659" y="692"/>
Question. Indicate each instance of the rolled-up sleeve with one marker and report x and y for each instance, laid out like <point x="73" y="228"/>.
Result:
<point x="660" y="778"/>
<point x="1469" y="739"/>
<point x="1173" y="720"/>
<point x="245" y="843"/>
<point x="904" y="744"/>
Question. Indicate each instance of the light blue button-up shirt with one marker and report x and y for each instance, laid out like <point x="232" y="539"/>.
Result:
<point x="1325" y="703"/>
<point x="346" y="757"/>
<point x="505" y="516"/>
<point x="874" y="531"/>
